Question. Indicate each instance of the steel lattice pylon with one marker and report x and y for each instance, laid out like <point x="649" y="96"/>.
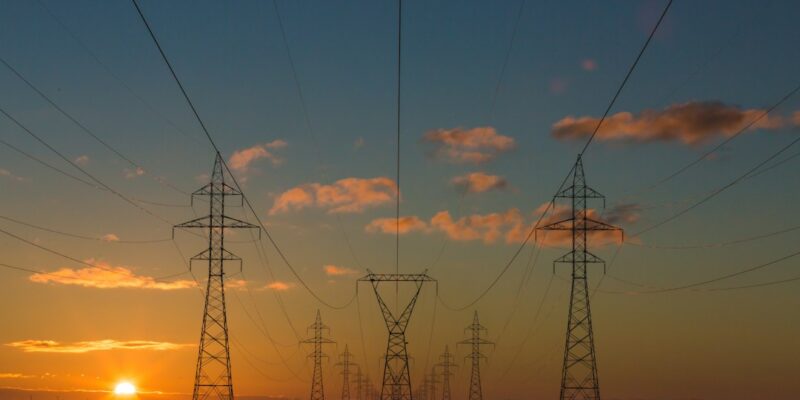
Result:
<point x="396" y="376"/>
<point x="579" y="374"/>
<point x="317" y="387"/>
<point x="476" y="341"/>
<point x="346" y="362"/>
<point x="213" y="375"/>
<point x="446" y="364"/>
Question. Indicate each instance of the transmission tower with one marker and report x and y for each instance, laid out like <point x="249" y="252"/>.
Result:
<point x="579" y="373"/>
<point x="396" y="377"/>
<point x="446" y="364"/>
<point x="346" y="363"/>
<point x="213" y="375"/>
<point x="432" y="381"/>
<point x="359" y="380"/>
<point x="318" y="340"/>
<point x="475" y="329"/>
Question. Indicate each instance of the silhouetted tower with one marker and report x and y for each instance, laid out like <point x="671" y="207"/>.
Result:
<point x="318" y="340"/>
<point x="446" y="364"/>
<point x="396" y="377"/>
<point x="476" y="329"/>
<point x="213" y="375"/>
<point x="432" y="382"/>
<point x="579" y="373"/>
<point x="359" y="381"/>
<point x="346" y="363"/>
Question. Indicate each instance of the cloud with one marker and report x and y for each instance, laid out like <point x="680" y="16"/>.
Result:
<point x="469" y="146"/>
<point x="235" y="284"/>
<point x="51" y="346"/>
<point x="110" y="237"/>
<point x="487" y="228"/>
<point x="796" y="118"/>
<point x="390" y="225"/>
<point x="479" y="182"/>
<point x="589" y="64"/>
<point x="348" y="195"/>
<point x="359" y="143"/>
<point x="332" y="270"/>
<point x="133" y="173"/>
<point x="627" y="213"/>
<point x="241" y="159"/>
<point x="105" y="276"/>
<point x="14" y="375"/>
<point x="82" y="160"/>
<point x="280" y="286"/>
<point x="688" y="123"/>
<point x="6" y="173"/>
<point x="558" y="85"/>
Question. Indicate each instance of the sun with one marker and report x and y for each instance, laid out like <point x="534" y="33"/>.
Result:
<point x="124" y="389"/>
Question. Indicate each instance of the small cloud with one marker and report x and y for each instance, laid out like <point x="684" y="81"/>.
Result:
<point x="390" y="225"/>
<point x="558" y="85"/>
<point x="14" y="375"/>
<point x="110" y="237"/>
<point x="469" y="146"/>
<point x="82" y="160"/>
<point x="202" y="179"/>
<point x="479" y="182"/>
<point x="280" y="286"/>
<point x="359" y="143"/>
<point x="348" y="195"/>
<point x="241" y="160"/>
<point x="7" y="174"/>
<point x="589" y="64"/>
<point x="105" y="276"/>
<point x="133" y="173"/>
<point x="690" y="123"/>
<point x="236" y="284"/>
<point x="51" y="346"/>
<point x="332" y="270"/>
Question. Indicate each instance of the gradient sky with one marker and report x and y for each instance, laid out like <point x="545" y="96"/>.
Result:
<point x="712" y="67"/>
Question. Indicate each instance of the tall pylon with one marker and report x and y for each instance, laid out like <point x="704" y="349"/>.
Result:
<point x="359" y="381"/>
<point x="213" y="378"/>
<point x="432" y="382"/>
<point x="318" y="340"/>
<point x="476" y="341"/>
<point x="396" y="376"/>
<point x="446" y="364"/>
<point x="346" y="363"/>
<point x="579" y="374"/>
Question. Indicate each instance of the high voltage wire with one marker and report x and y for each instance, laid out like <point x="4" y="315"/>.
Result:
<point x="718" y="244"/>
<point x="76" y="236"/>
<point x="551" y="203"/>
<point x="235" y="181"/>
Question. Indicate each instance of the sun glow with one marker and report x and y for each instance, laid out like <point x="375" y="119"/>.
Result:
<point x="124" y="389"/>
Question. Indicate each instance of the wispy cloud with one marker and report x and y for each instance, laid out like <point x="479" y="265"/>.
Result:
<point x="469" y="146"/>
<point x="333" y="270"/>
<point x="348" y="195"/>
<point x="390" y="225"/>
<point x="241" y="160"/>
<point x="8" y="174"/>
<point x="688" y="123"/>
<point x="479" y="182"/>
<point x="14" y="375"/>
<point x="105" y="276"/>
<point x="133" y="173"/>
<point x="51" y="346"/>
<point x="110" y="237"/>
<point x="82" y="160"/>
<point x="589" y="64"/>
<point x="279" y="286"/>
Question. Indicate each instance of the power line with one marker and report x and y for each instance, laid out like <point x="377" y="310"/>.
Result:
<point x="719" y="244"/>
<point x="233" y="177"/>
<point x="76" y="236"/>
<point x="399" y="87"/>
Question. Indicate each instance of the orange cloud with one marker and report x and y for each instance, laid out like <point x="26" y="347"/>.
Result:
<point x="627" y="213"/>
<point x="133" y="173"/>
<point x="8" y="174"/>
<point x="332" y="270"/>
<point x="479" y="182"/>
<point x="796" y="118"/>
<point x="280" y="286"/>
<point x="348" y="195"/>
<point x="390" y="225"/>
<point x="105" y="276"/>
<point x="110" y="237"/>
<point x="50" y="346"/>
<point x="241" y="159"/>
<point x="589" y="64"/>
<point x="82" y="160"/>
<point x="488" y="227"/>
<point x="469" y="146"/>
<point x="689" y="123"/>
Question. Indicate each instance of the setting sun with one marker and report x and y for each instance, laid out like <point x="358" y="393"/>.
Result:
<point x="125" y="389"/>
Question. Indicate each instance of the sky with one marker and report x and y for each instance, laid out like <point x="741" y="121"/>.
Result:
<point x="495" y="105"/>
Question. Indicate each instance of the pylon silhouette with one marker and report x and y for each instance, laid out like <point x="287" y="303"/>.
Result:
<point x="396" y="377"/>
<point x="213" y="379"/>
<point x="359" y="381"/>
<point x="476" y="329"/>
<point x="432" y="382"/>
<point x="318" y="340"/>
<point x="446" y="364"/>
<point x="346" y="363"/>
<point x="579" y="373"/>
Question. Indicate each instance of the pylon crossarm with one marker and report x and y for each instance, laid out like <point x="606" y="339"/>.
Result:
<point x="595" y="225"/>
<point x="563" y="225"/>
<point x="375" y="278"/>
<point x="207" y="254"/>
<point x="195" y="223"/>
<point x="230" y="222"/>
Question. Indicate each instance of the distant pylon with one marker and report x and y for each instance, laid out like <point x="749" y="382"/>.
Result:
<point x="446" y="364"/>
<point x="396" y="376"/>
<point x="346" y="363"/>
<point x="359" y="381"/>
<point x="317" y="388"/>
<point x="475" y="390"/>
<point x="432" y="381"/>
<point x="579" y="373"/>
<point x="213" y="374"/>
